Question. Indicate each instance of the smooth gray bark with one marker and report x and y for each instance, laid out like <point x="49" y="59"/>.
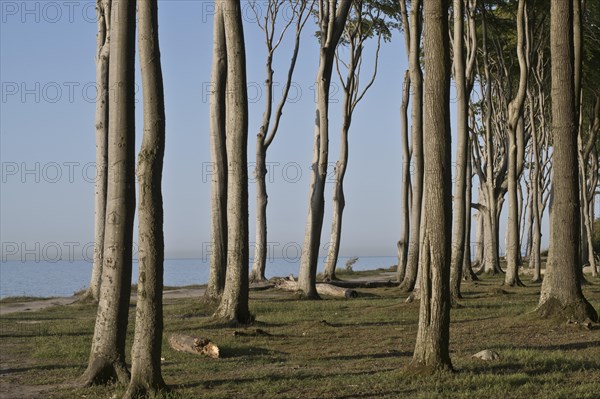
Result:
<point x="463" y="78"/>
<point x="405" y="190"/>
<point x="102" y="60"/>
<point x="515" y="115"/>
<point x="218" y="157"/>
<point x="361" y="30"/>
<point x="271" y="119"/>
<point x="234" y="300"/>
<point x="332" y="19"/>
<point x="107" y="355"/>
<point x="416" y="81"/>
<point x="146" y="375"/>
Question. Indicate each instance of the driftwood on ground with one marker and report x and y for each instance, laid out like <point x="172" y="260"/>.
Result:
<point x="363" y="284"/>
<point x="261" y="286"/>
<point x="196" y="346"/>
<point x="322" y="289"/>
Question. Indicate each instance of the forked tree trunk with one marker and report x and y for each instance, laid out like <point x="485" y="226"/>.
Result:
<point x="146" y="376"/>
<point x="339" y="201"/>
<point x="461" y="207"/>
<point x="102" y="60"/>
<point x="405" y="190"/>
<point x="218" y="156"/>
<point x="107" y="355"/>
<point x="416" y="81"/>
<point x="234" y="301"/>
<point x="356" y="35"/>
<point x="271" y="121"/>
<point x="561" y="290"/>
<point x="433" y="335"/>
<point x="515" y="111"/>
<point x="332" y="18"/>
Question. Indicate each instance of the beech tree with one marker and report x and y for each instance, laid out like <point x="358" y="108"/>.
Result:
<point x="463" y="68"/>
<point x="107" y="355"/>
<point x="412" y="38"/>
<point x="146" y="377"/>
<point x="433" y="334"/>
<point x="515" y="153"/>
<point x="234" y="300"/>
<point x="102" y="91"/>
<point x="366" y="19"/>
<point x="218" y="157"/>
<point x="332" y="19"/>
<point x="301" y="10"/>
<point x="561" y="289"/>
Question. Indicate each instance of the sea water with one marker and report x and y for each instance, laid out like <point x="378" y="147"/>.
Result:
<point x="63" y="278"/>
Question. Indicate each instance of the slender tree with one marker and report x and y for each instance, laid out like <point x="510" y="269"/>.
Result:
<point x="367" y="19"/>
<point x="218" y="156"/>
<point x="234" y="300"/>
<point x="301" y="10"/>
<point x="102" y="60"/>
<point x="332" y="19"/>
<point x="463" y="78"/>
<point x="406" y="196"/>
<point x="561" y="289"/>
<point x="107" y="355"/>
<point x="413" y="26"/>
<point x="515" y="133"/>
<point x="146" y="376"/>
<point x="433" y="335"/>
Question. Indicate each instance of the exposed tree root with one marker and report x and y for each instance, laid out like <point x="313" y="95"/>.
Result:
<point x="102" y="371"/>
<point x="578" y="310"/>
<point x="139" y="390"/>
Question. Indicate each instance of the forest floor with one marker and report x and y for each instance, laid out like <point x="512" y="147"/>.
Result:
<point x="333" y="348"/>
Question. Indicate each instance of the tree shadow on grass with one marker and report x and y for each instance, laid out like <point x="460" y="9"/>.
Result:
<point x="36" y="368"/>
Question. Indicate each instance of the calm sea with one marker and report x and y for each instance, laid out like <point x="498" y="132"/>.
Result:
<point x="63" y="278"/>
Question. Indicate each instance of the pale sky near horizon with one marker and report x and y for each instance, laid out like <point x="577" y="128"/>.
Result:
<point x="47" y="73"/>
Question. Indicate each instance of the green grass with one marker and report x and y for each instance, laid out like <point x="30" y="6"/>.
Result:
<point x="20" y="299"/>
<point x="331" y="348"/>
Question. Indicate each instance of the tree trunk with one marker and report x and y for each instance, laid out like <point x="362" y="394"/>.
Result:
<point x="433" y="335"/>
<point x="479" y="240"/>
<point x="218" y="156"/>
<point x="264" y="138"/>
<point x="107" y="355"/>
<point x="467" y="268"/>
<point x="260" y="251"/>
<point x="332" y="20"/>
<point x="490" y="237"/>
<point x="403" y="243"/>
<point x="146" y="376"/>
<point x="234" y="301"/>
<point x="102" y="60"/>
<point x="561" y="290"/>
<point x="339" y="202"/>
<point x="416" y="81"/>
<point x="515" y="131"/>
<point x="462" y="121"/>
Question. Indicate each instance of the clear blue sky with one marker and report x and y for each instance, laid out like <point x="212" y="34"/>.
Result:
<point x="47" y="73"/>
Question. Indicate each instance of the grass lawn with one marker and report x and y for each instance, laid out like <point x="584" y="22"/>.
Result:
<point x="333" y="348"/>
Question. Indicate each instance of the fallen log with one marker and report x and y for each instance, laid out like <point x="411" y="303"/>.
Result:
<point x="364" y="284"/>
<point x="322" y="289"/>
<point x="196" y="346"/>
<point x="261" y="286"/>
